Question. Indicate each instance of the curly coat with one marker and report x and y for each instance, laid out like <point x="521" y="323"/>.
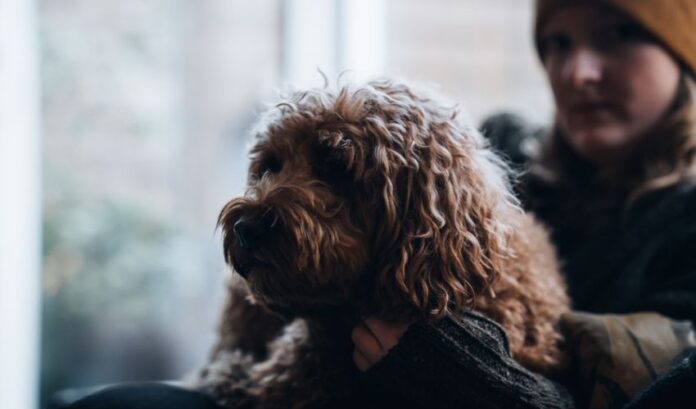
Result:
<point x="374" y="200"/>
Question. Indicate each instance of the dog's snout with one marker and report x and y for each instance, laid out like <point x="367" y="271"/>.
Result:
<point x="249" y="231"/>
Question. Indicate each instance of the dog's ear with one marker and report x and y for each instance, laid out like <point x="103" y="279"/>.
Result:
<point x="443" y="196"/>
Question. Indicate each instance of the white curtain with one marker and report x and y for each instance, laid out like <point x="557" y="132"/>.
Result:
<point x="19" y="205"/>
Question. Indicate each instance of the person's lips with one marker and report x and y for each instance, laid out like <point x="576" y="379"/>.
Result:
<point x="592" y="113"/>
<point x="592" y="108"/>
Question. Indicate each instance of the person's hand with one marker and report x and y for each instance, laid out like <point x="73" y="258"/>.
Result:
<point x="373" y="338"/>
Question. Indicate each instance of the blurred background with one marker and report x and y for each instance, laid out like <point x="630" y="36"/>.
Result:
<point x="123" y="131"/>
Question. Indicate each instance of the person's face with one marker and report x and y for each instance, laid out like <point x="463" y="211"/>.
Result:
<point x="611" y="81"/>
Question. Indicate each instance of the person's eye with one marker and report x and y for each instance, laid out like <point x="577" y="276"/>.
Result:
<point x="555" y="43"/>
<point x="624" y="33"/>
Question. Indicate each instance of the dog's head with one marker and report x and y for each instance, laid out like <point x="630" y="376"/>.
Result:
<point x="373" y="196"/>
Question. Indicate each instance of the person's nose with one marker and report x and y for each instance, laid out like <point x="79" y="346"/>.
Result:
<point x="583" y="67"/>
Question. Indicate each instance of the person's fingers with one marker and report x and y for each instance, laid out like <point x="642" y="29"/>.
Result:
<point x="360" y="360"/>
<point x="387" y="333"/>
<point x="373" y="338"/>
<point x="366" y="342"/>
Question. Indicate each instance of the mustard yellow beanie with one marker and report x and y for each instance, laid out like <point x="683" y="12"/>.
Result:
<point x="673" y="22"/>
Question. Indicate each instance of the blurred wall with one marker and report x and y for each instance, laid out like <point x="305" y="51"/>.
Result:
<point x="479" y="52"/>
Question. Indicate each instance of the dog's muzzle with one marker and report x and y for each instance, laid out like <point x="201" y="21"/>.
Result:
<point x="250" y="231"/>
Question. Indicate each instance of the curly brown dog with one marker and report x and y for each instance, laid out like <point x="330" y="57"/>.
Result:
<point x="370" y="200"/>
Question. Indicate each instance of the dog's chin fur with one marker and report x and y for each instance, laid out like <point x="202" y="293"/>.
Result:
<point x="373" y="200"/>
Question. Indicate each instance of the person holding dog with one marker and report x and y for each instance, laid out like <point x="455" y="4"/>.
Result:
<point x="615" y="182"/>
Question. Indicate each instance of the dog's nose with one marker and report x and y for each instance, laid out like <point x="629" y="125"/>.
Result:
<point x="249" y="231"/>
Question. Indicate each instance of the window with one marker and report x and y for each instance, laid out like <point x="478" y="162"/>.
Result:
<point x="145" y="112"/>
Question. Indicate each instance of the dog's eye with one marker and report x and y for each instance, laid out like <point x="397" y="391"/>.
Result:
<point x="329" y="164"/>
<point x="269" y="164"/>
<point x="273" y="164"/>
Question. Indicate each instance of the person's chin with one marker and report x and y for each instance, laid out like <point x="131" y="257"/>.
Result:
<point x="598" y="145"/>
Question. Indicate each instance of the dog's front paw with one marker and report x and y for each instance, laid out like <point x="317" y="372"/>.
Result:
<point x="226" y="378"/>
<point x="245" y="325"/>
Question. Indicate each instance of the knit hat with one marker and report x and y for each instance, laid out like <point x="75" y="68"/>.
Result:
<point x="672" y="22"/>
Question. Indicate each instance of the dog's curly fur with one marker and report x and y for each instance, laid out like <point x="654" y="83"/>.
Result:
<point x="374" y="200"/>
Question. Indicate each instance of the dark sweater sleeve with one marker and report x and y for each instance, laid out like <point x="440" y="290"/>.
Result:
<point x="672" y="278"/>
<point x="462" y="362"/>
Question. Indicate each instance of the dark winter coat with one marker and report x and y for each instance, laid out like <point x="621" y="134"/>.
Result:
<point x="617" y="258"/>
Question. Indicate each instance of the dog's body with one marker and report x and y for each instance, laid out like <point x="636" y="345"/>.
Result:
<point x="370" y="201"/>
